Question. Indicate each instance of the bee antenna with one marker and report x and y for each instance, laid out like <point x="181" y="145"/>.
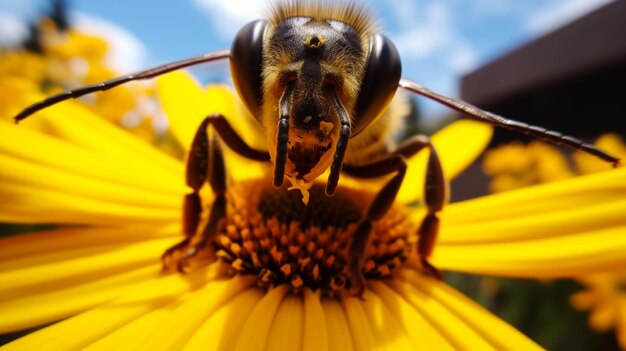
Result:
<point x="283" y="136"/>
<point x="146" y="74"/>
<point x="342" y="144"/>
<point x="480" y="115"/>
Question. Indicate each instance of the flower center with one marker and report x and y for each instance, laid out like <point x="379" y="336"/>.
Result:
<point x="272" y="234"/>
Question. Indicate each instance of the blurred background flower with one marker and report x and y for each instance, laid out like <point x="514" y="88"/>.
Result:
<point x="55" y="55"/>
<point x="517" y="165"/>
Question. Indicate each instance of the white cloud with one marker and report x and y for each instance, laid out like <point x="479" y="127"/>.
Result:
<point x="427" y="35"/>
<point x="403" y="12"/>
<point x="463" y="58"/>
<point x="126" y="53"/>
<point x="12" y="31"/>
<point x="228" y="16"/>
<point x="21" y="9"/>
<point x="560" y="12"/>
<point x="14" y="18"/>
<point x="491" y="7"/>
<point x="434" y="35"/>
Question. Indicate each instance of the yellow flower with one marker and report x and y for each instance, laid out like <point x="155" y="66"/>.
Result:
<point x="611" y="142"/>
<point x="13" y="63"/>
<point x="67" y="57"/>
<point x="605" y="293"/>
<point x="515" y="165"/>
<point x="117" y="202"/>
<point x="70" y="59"/>
<point x="605" y="296"/>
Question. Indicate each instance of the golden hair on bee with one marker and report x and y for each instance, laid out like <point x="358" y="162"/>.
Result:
<point x="383" y="135"/>
<point x="352" y="13"/>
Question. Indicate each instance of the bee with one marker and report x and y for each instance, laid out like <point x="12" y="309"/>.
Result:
<point x="318" y="79"/>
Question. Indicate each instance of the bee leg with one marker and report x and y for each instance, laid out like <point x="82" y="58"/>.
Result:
<point x="197" y="245"/>
<point x="206" y="163"/>
<point x="377" y="209"/>
<point x="434" y="197"/>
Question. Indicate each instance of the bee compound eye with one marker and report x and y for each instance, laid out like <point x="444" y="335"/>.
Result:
<point x="379" y="84"/>
<point x="246" y="64"/>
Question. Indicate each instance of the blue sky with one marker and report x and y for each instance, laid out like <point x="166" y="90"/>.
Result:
<point x="439" y="40"/>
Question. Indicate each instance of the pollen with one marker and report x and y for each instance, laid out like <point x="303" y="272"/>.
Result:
<point x="303" y="186"/>
<point x="271" y="234"/>
<point x="326" y="127"/>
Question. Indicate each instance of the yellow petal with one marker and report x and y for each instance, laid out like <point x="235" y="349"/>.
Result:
<point x="30" y="248"/>
<point x="387" y="332"/>
<point x="458" y="145"/>
<point x="22" y="204"/>
<point x="362" y="334"/>
<point x="566" y="194"/>
<point x="39" y="307"/>
<point x="529" y="224"/>
<point x="55" y="256"/>
<point x="496" y="332"/>
<point x="16" y="171"/>
<point x="416" y="326"/>
<point x="75" y="124"/>
<point x="35" y="147"/>
<point x="337" y="325"/>
<point x="187" y="104"/>
<point x="447" y="322"/>
<point x="85" y="328"/>
<point x="572" y="255"/>
<point x="315" y="331"/>
<point x="561" y="229"/>
<point x="559" y="208"/>
<point x="241" y="168"/>
<point x="286" y="331"/>
<point x="71" y="271"/>
<point x="186" y="318"/>
<point x="221" y="331"/>
<point x="135" y="333"/>
<point x="254" y="333"/>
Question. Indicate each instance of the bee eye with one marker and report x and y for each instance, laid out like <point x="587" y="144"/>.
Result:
<point x="246" y="62"/>
<point x="379" y="84"/>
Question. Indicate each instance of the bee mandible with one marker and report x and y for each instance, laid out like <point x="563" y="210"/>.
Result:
<point x="317" y="78"/>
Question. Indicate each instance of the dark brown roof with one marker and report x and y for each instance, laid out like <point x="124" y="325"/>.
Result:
<point x="590" y="43"/>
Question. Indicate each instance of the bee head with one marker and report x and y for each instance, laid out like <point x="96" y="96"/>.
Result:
<point x="312" y="82"/>
<point x="319" y="63"/>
